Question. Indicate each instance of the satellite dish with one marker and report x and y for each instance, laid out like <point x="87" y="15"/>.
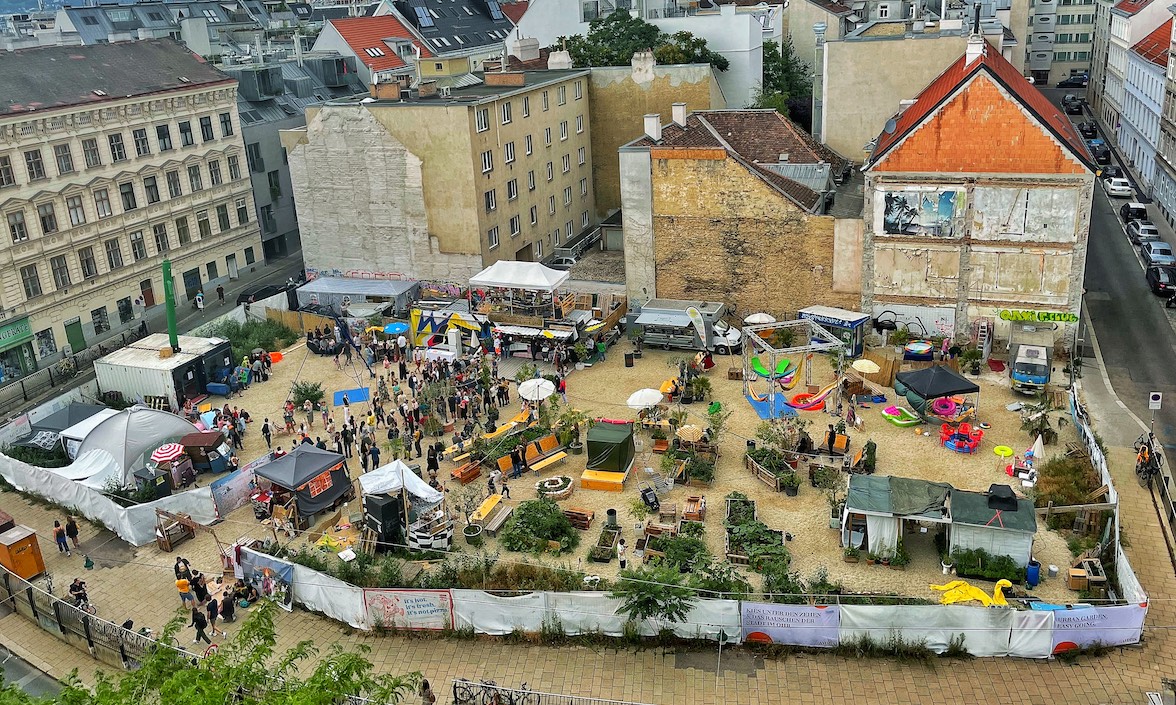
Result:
<point x="891" y="126"/>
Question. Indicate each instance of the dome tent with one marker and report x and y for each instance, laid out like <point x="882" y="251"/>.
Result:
<point x="131" y="435"/>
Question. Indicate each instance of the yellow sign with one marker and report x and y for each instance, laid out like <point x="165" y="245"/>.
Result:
<point x="1038" y="316"/>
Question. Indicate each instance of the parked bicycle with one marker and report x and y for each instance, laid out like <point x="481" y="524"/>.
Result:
<point x="1147" y="461"/>
<point x="487" y="692"/>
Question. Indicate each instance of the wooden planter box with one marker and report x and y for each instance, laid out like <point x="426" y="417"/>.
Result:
<point x="730" y="502"/>
<point x="733" y="554"/>
<point x="762" y="474"/>
<point x="682" y="524"/>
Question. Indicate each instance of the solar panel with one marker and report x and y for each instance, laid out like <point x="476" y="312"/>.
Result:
<point x="495" y="10"/>
<point x="423" y="17"/>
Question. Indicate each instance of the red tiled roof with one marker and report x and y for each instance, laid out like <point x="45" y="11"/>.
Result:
<point x="1154" y="47"/>
<point x="833" y="7"/>
<point x="515" y="10"/>
<point x="1130" y="7"/>
<point x="959" y="73"/>
<point x="363" y="33"/>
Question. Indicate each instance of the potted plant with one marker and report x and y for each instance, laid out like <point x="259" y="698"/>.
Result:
<point x="581" y="351"/>
<point x="970" y="360"/>
<point x="871" y="558"/>
<point x="851" y="554"/>
<point x="884" y="557"/>
<point x="570" y="423"/>
<point x="677" y="417"/>
<point x="900" y="559"/>
<point x="899" y="337"/>
<point x="790" y="483"/>
<point x="467" y="499"/>
<point x="699" y="472"/>
<point x="870" y="457"/>
<point x="701" y="387"/>
<point x="433" y="426"/>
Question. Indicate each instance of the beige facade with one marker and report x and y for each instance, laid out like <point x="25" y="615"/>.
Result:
<point x="94" y="197"/>
<point x="441" y="186"/>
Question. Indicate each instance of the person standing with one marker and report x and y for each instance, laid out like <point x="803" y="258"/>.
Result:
<point x="621" y="549"/>
<point x="214" y="612"/>
<point x="505" y="488"/>
<point x="183" y="568"/>
<point x="601" y="349"/>
<point x="184" y="586"/>
<point x="199" y="622"/>
<point x="427" y="696"/>
<point x="416" y="441"/>
<point x="60" y="538"/>
<point x="71" y="530"/>
<point x="563" y="389"/>
<point x="220" y="296"/>
<point x="308" y="409"/>
<point x="375" y="455"/>
<point x="347" y="439"/>
<point x="228" y="608"/>
<point x="268" y="434"/>
<point x="200" y="300"/>
<point x="346" y="409"/>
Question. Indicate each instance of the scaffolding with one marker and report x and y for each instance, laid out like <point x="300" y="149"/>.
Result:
<point x="788" y="347"/>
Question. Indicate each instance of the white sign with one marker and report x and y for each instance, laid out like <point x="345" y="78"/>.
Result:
<point x="1154" y="400"/>
<point x="410" y="609"/>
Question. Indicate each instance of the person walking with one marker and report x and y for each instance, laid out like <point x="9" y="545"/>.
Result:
<point x="60" y="538"/>
<point x="184" y="586"/>
<point x="199" y="623"/>
<point x="213" y="609"/>
<point x="563" y="389"/>
<point x="220" y="296"/>
<point x="200" y="301"/>
<point x="505" y="490"/>
<point x="426" y="693"/>
<point x="228" y="608"/>
<point x="71" y="530"/>
<point x="416" y="441"/>
<point x="268" y="433"/>
<point x="183" y="569"/>
<point x="347" y="438"/>
<point x="375" y="451"/>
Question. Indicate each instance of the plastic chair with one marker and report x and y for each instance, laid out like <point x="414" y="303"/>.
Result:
<point x="966" y="428"/>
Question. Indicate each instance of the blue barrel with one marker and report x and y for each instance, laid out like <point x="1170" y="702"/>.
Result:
<point x="1033" y="574"/>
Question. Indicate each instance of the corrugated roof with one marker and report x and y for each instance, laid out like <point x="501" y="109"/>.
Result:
<point x="366" y="35"/>
<point x="958" y="74"/>
<point x="1155" y="46"/>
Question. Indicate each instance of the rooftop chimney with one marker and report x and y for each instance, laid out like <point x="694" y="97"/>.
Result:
<point x="384" y="90"/>
<point x="559" y="60"/>
<point x="653" y="127"/>
<point x="975" y="48"/>
<point x="505" y="78"/>
<point x="679" y="112"/>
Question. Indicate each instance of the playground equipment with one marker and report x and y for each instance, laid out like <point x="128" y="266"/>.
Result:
<point x="961" y="591"/>
<point x="964" y="439"/>
<point x="769" y="348"/>
<point x="900" y="416"/>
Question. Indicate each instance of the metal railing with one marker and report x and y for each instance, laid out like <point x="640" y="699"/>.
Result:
<point x="468" y="692"/>
<point x="62" y="372"/>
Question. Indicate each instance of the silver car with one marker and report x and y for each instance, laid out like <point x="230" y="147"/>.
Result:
<point x="1157" y="253"/>
<point x="1141" y="231"/>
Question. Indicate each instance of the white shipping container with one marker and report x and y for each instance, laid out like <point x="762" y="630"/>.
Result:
<point x="139" y="371"/>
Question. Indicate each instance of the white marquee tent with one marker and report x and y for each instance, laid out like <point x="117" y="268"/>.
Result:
<point x="131" y="435"/>
<point x="506" y="274"/>
<point x="394" y="477"/>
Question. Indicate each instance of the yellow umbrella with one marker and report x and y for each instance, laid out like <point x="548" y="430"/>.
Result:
<point x="690" y="433"/>
<point x="868" y="367"/>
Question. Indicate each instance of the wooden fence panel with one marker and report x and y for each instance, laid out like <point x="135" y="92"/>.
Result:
<point x="299" y="320"/>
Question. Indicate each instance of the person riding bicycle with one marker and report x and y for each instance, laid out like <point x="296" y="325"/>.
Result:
<point x="77" y="591"/>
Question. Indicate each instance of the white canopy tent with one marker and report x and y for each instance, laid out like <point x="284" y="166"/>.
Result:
<point x="394" y="477"/>
<point x="506" y="274"/>
<point x="73" y="436"/>
<point x="131" y="435"/>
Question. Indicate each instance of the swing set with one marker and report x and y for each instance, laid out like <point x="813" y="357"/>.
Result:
<point x="779" y="354"/>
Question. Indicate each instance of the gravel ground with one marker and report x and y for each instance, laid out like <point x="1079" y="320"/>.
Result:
<point x="602" y="390"/>
<point x="600" y="266"/>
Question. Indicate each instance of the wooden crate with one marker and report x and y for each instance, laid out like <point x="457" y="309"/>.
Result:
<point x="580" y="518"/>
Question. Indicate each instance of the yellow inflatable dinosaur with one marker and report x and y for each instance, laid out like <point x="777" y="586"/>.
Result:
<point x="962" y="591"/>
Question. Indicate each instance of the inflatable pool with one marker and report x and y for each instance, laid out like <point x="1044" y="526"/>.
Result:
<point x="943" y="407"/>
<point x="919" y="347"/>
<point x="900" y="416"/>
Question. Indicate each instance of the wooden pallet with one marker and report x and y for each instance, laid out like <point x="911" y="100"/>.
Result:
<point x="580" y="518"/>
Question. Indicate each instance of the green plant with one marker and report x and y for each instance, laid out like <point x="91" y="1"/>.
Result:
<point x="852" y="552"/>
<point x="680" y="551"/>
<point x="782" y="338"/>
<point x="534" y="523"/>
<point x="900" y="557"/>
<point x="55" y="458"/>
<point x="302" y="391"/>
<point x="789" y="479"/>
<point x="701" y="387"/>
<point x="245" y="337"/>
<point x="758" y="542"/>
<point x="581" y="351"/>
<point x="658" y="434"/>
<point x="783" y="434"/>
<point x="526" y="371"/>
<point x="821" y="588"/>
<point x="900" y="336"/>
<point x="870" y="457"/>
<point x="781" y="585"/>
<point x="717" y="420"/>
<point x="654" y="592"/>
<point x="970" y="355"/>
<point x="720" y="580"/>
<point x="979" y="563"/>
<point x="638" y="508"/>
<point x="700" y="469"/>
<point x="740" y="509"/>
<point x="956" y="648"/>
<point x="571" y="423"/>
<point x="466" y="499"/>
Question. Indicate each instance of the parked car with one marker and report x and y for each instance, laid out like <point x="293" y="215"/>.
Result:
<point x="1088" y="129"/>
<point x="1161" y="280"/>
<point x="1118" y="188"/>
<point x="1078" y="81"/>
<point x="1072" y="104"/>
<point x="1157" y="253"/>
<point x="1111" y="172"/>
<point x="1141" y="231"/>
<point x="561" y="263"/>
<point x="1133" y="211"/>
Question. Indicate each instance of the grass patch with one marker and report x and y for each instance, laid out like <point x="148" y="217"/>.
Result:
<point x="1064" y="481"/>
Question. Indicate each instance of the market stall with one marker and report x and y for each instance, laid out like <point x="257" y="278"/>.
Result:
<point x="303" y="483"/>
<point x="388" y="296"/>
<point x="399" y="505"/>
<point x="877" y="505"/>
<point x="519" y="288"/>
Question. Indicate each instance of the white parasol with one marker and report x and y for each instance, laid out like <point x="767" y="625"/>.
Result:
<point x="645" y="398"/>
<point x="536" y="389"/>
<point x="868" y="367"/>
<point x="759" y="318"/>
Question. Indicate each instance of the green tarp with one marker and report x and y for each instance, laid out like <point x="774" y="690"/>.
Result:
<point x="610" y="447"/>
<point x="898" y="496"/>
<point x="972" y="508"/>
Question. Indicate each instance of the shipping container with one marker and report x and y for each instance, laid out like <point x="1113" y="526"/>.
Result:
<point x="148" y="371"/>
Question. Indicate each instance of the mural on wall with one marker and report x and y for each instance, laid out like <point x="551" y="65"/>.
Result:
<point x="933" y="213"/>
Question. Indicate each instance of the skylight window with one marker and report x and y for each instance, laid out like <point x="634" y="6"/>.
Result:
<point x="374" y="51"/>
<point x="423" y="17"/>
<point x="495" y="10"/>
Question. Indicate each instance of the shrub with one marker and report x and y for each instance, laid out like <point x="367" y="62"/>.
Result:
<point x="981" y="564"/>
<point x="782" y="585"/>
<point x="654" y="592"/>
<point x="301" y="391"/>
<point x="1065" y="480"/>
<point x="268" y="335"/>
<point x="720" y="579"/>
<point x="55" y="458"/>
<point x="536" y="522"/>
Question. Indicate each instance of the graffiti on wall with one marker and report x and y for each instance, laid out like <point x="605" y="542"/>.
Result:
<point x="931" y="213"/>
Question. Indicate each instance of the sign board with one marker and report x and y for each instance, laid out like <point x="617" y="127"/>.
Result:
<point x="409" y="609"/>
<point x="1038" y="316"/>
<point x="1155" y="400"/>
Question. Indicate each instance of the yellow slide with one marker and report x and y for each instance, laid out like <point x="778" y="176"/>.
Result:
<point x="961" y="591"/>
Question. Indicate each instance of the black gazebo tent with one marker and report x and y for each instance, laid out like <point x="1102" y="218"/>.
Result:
<point x="610" y="447"/>
<point x="921" y="387"/>
<point x="316" y="477"/>
<point x="46" y="432"/>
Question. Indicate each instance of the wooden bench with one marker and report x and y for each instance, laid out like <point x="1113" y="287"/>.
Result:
<point x="550" y="460"/>
<point x="653" y="528"/>
<point x="661" y="445"/>
<point x="548" y="445"/>
<point x="497" y="519"/>
<point x="668" y="510"/>
<point x="505" y="466"/>
<point x="600" y="480"/>
<point x="580" y="518"/>
<point x="695" y="509"/>
<point x="467" y="473"/>
<point x="484" y="510"/>
<point x="461" y="458"/>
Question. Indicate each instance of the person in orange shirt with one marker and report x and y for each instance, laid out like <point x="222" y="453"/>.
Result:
<point x="185" y="590"/>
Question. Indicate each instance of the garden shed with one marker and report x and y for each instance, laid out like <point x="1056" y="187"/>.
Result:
<point x="876" y="506"/>
<point x="610" y="447"/>
<point x="997" y="521"/>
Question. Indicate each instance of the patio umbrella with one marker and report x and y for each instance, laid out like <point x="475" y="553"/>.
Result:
<point x="645" y="398"/>
<point x="474" y="342"/>
<point x="536" y="389"/>
<point x="759" y="318"/>
<point x="167" y="453"/>
<point x="1039" y="450"/>
<point x="868" y="367"/>
<point x="690" y="433"/>
<point x="396" y="328"/>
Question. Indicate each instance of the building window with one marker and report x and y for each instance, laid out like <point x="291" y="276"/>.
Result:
<point x="118" y="151"/>
<point x="64" y="158"/>
<point x="538" y="249"/>
<point x="46" y="344"/>
<point x="512" y="189"/>
<point x="102" y="203"/>
<point x="90" y="152"/>
<point x="31" y="278"/>
<point x="186" y="135"/>
<point x="268" y="222"/>
<point x="508" y="152"/>
<point x="550" y="171"/>
<point x="527" y="143"/>
<point x="567" y="163"/>
<point x="883" y="12"/>
<point x="250" y="258"/>
<point x="213" y="272"/>
<point x="583" y="187"/>
<point x="547" y="136"/>
<point x="234" y="167"/>
<point x="578" y="89"/>
<point x="253" y="156"/>
<point x="531" y="180"/>
<point x="60" y="268"/>
<point x="163" y="136"/>
<point x="159" y="232"/>
<point x="100" y="320"/>
<point x="34" y="165"/>
<point x="48" y="218"/>
<point x="563" y="130"/>
<point x="226" y="120"/>
<point x="89" y="264"/>
<point x="506" y="117"/>
<point x="584" y="219"/>
<point x="142" y="146"/>
<point x="206" y="129"/>
<point x="151" y="187"/>
<point x="127" y="193"/>
<point x="551" y="205"/>
<point x="487" y="161"/>
<point x="7" y="177"/>
<point x="214" y="172"/>
<point x="242" y="212"/>
<point x="195" y="181"/>
<point x="562" y="93"/>
<point x="114" y="258"/>
<point x="567" y="230"/>
<point x="173" y="184"/>
<point x="17" y="227"/>
<point x="482" y="119"/>
<point x="492" y="237"/>
<point x="126" y="312"/>
<point x="579" y="124"/>
<point x="138" y="246"/>
<point x="534" y="215"/>
<point x="182" y="233"/>
<point x="545" y="103"/>
<point x="491" y="200"/>
<point x="222" y="218"/>
<point x="526" y="106"/>
<point x="568" y="196"/>
<point x="582" y="156"/>
<point x="203" y="226"/>
<point x="514" y="226"/>
<point x="275" y="185"/>
<point x="77" y="212"/>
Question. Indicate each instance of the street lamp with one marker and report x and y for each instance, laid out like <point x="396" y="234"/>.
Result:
<point x="819" y="31"/>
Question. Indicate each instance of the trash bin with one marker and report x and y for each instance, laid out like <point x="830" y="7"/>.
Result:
<point x="751" y="445"/>
<point x="1033" y="574"/>
<point x="612" y="518"/>
<point x="628" y="359"/>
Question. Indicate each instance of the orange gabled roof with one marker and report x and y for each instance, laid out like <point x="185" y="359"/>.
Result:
<point x="1155" y="46"/>
<point x="364" y="33"/>
<point x="939" y="92"/>
<point x="515" y="10"/>
<point x="1130" y="7"/>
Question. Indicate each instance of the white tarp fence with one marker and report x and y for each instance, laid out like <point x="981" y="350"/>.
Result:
<point x="798" y="625"/>
<point x="986" y="631"/>
<point x="409" y="609"/>
<point x="1031" y="635"/>
<point x="136" y="525"/>
<point x="1085" y="626"/>
<point x="490" y="614"/>
<point x="336" y="599"/>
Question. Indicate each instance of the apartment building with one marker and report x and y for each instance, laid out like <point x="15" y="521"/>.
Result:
<point x="1061" y="39"/>
<point x="1139" y="129"/>
<point x="1164" y="190"/>
<point x="432" y="184"/>
<point x="113" y="157"/>
<point x="1119" y="28"/>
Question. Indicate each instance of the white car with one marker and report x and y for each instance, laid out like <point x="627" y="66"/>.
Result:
<point x="1141" y="231"/>
<point x="562" y="263"/>
<point x="1118" y="188"/>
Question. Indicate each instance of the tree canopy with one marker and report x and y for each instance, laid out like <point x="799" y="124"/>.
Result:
<point x="613" y="39"/>
<point x="787" y="85"/>
<point x="245" y="670"/>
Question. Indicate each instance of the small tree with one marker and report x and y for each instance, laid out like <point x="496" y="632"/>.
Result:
<point x="467" y="498"/>
<point x="301" y="391"/>
<point x="654" y="592"/>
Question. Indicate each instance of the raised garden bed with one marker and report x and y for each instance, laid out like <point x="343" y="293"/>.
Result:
<point x="744" y="551"/>
<point x="771" y="469"/>
<point x="558" y="488"/>
<point x="740" y="510"/>
<point x="605" y="547"/>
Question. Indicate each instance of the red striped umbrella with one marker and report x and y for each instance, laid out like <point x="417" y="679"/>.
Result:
<point x="167" y="453"/>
